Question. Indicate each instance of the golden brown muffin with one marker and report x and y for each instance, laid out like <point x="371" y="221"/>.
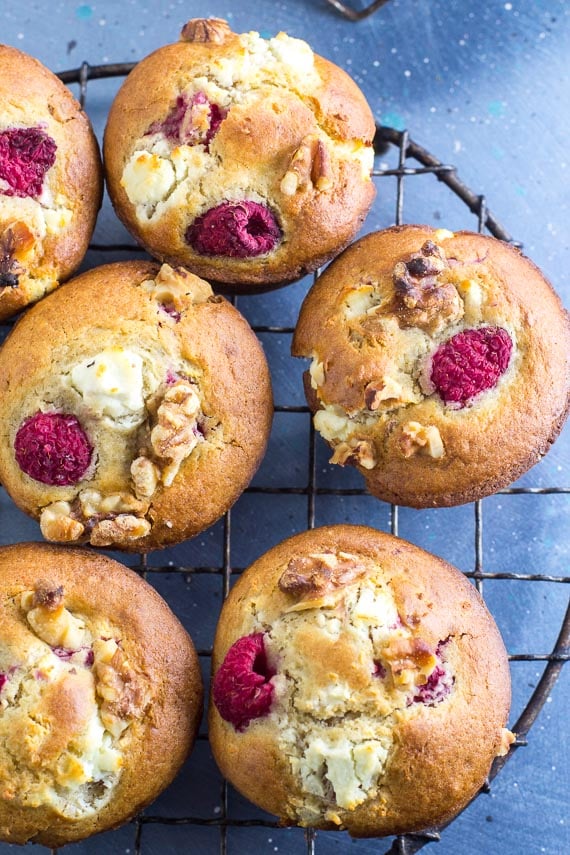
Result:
<point x="51" y="181"/>
<point x="136" y="407"/>
<point x="100" y="694"/>
<point x="245" y="159"/>
<point x="359" y="683"/>
<point x="440" y="363"/>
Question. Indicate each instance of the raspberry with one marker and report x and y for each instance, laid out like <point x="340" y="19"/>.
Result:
<point x="437" y="687"/>
<point x="26" y="154"/>
<point x="242" y="690"/>
<point x="439" y="683"/>
<point x="234" y="229"/>
<point x="469" y="363"/>
<point x="379" y="670"/>
<point x="3" y="680"/>
<point x="63" y="652"/>
<point x="168" y="309"/>
<point x="52" y="448"/>
<point x="66" y="653"/>
<point x="187" y="123"/>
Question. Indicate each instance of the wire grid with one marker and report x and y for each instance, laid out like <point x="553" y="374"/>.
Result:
<point x="352" y="14"/>
<point x="424" y="163"/>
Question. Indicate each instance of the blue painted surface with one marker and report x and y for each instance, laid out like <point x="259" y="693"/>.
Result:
<point x="483" y="86"/>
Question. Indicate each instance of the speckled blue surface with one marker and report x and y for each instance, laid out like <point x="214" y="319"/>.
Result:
<point x="483" y="86"/>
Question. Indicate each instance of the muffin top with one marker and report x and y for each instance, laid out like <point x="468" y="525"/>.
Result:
<point x="50" y="181"/>
<point x="246" y="159"/>
<point x="359" y="683"/>
<point x="440" y="363"/>
<point x="140" y="413"/>
<point x="100" y="693"/>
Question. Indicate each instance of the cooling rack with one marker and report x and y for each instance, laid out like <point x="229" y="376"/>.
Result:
<point x="213" y="829"/>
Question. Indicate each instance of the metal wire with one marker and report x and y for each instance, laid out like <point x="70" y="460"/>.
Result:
<point x="356" y="14"/>
<point x="413" y="160"/>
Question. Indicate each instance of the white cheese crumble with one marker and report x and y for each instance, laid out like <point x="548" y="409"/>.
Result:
<point x="111" y="384"/>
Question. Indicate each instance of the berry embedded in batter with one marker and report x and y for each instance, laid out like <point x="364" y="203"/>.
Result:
<point x="470" y="363"/>
<point x="235" y="230"/>
<point x="435" y="689"/>
<point x="52" y="448"/>
<point x="26" y="154"/>
<point x="191" y="122"/>
<point x="242" y="688"/>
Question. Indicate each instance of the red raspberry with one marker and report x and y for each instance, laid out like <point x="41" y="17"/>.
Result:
<point x="52" y="448"/>
<point x="180" y="126"/>
<point x="435" y="689"/>
<point x="3" y="680"/>
<point x="26" y="154"/>
<point x="234" y="229"/>
<point x="242" y="690"/>
<point x="469" y="363"/>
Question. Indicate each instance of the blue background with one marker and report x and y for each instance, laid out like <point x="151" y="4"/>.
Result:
<point x="484" y="87"/>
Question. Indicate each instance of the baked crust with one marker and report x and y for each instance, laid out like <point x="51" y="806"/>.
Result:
<point x="185" y="341"/>
<point x="268" y="121"/>
<point x="437" y="755"/>
<point x="32" y="96"/>
<point x="372" y="358"/>
<point x="160" y="706"/>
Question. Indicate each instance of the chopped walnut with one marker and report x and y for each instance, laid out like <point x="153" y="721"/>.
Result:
<point x="386" y="389"/>
<point x="176" y="433"/>
<point x="57" y="524"/>
<point x="309" y="163"/>
<point x="122" y="529"/>
<point x="118" y="685"/>
<point x="315" y="579"/>
<point x="410" y="660"/>
<point x="316" y="373"/>
<point x="145" y="477"/>
<point x="421" y="300"/>
<point x="507" y="739"/>
<point x="214" y="30"/>
<point x="174" y="287"/>
<point x="417" y="438"/>
<point x="50" y="620"/>
<point x="360" y="452"/>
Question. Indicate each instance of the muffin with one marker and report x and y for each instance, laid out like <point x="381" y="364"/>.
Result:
<point x="245" y="159"/>
<point x="439" y="363"/>
<point x="359" y="683"/>
<point x="136" y="407"/>
<point x="50" y="181"/>
<point x="100" y="694"/>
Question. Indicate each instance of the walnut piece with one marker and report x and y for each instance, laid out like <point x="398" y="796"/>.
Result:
<point x="386" y="389"/>
<point x="118" y="685"/>
<point x="417" y="438"/>
<point x="57" y="524"/>
<point x="50" y="620"/>
<point x="145" y="477"/>
<point x="312" y="579"/>
<point x="507" y="739"/>
<point x="410" y="660"/>
<point x="310" y="163"/>
<point x="122" y="529"/>
<point x="421" y="299"/>
<point x="360" y="452"/>
<point x="213" y="30"/>
<point x="176" y="433"/>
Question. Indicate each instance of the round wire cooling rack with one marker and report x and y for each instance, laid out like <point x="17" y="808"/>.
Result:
<point x="412" y="160"/>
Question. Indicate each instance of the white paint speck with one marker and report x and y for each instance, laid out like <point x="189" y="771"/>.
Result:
<point x="508" y="7"/>
<point x="407" y="73"/>
<point x="376" y="63"/>
<point x="20" y="36"/>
